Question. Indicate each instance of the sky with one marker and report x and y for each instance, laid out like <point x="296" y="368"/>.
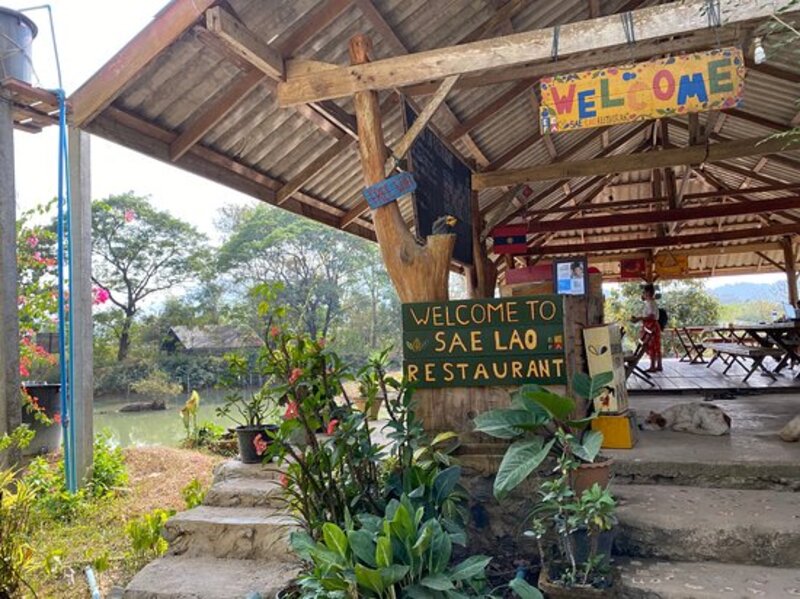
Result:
<point x="88" y="33"/>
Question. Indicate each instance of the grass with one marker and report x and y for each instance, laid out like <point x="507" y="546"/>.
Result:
<point x="97" y="536"/>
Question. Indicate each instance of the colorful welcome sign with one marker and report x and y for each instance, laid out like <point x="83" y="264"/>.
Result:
<point x="712" y="80"/>
<point x="475" y="343"/>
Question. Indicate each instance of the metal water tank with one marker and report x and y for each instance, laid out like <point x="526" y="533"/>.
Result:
<point x="16" y="37"/>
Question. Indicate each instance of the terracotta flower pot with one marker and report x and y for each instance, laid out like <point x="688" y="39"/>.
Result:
<point x="554" y="590"/>
<point x="588" y="474"/>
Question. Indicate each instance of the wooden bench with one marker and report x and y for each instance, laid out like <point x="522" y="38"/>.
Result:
<point x="737" y="353"/>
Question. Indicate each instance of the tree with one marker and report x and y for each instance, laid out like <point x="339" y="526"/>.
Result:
<point x="688" y="303"/>
<point x="314" y="263"/>
<point x="138" y="251"/>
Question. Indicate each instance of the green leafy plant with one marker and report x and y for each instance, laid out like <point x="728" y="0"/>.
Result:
<point x="259" y="408"/>
<point x="399" y="555"/>
<point x="145" y="535"/>
<point x="16" y="523"/>
<point x="543" y="423"/>
<point x="193" y="494"/>
<point x="568" y="518"/>
<point x="109" y="472"/>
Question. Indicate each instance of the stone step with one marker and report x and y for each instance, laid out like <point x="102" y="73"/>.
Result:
<point x="236" y="469"/>
<point x="722" y="475"/>
<point x="231" y="532"/>
<point x="246" y="492"/>
<point x="656" y="579"/>
<point x="693" y="524"/>
<point x="209" y="578"/>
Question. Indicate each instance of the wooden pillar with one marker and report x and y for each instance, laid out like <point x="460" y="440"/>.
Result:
<point x="10" y="399"/>
<point x="482" y="277"/>
<point x="791" y="269"/>
<point x="81" y="301"/>
<point x="418" y="272"/>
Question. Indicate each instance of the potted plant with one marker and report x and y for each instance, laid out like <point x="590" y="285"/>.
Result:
<point x="255" y="417"/>
<point x="574" y="534"/>
<point x="41" y="412"/>
<point x="543" y="423"/>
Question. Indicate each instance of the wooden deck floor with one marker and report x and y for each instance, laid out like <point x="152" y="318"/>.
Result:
<point x="682" y="376"/>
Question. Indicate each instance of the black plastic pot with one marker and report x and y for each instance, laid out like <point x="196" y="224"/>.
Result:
<point x="583" y="547"/>
<point x="47" y="439"/>
<point x="249" y="437"/>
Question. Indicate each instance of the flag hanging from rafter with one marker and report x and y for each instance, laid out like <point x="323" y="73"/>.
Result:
<point x="510" y="239"/>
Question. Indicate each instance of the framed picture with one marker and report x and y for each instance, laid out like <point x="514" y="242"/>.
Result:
<point x="570" y="275"/>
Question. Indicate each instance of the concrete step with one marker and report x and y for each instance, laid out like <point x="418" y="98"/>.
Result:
<point x="236" y="469"/>
<point x="246" y="492"/>
<point x="209" y="578"/>
<point x="656" y="579"/>
<point x="721" y="475"/>
<point x="231" y="532"/>
<point x="725" y="525"/>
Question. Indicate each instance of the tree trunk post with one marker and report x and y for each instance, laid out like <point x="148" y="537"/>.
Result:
<point x="791" y="269"/>
<point x="419" y="272"/>
<point x="10" y="398"/>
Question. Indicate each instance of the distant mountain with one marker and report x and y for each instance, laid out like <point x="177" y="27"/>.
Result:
<point x="743" y="292"/>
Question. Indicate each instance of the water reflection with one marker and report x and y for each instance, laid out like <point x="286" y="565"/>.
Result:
<point x="162" y="427"/>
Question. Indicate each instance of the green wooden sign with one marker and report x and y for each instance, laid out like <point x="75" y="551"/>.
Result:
<point x="509" y="341"/>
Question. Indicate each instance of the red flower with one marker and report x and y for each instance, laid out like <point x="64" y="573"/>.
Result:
<point x="291" y="411"/>
<point x="296" y="374"/>
<point x="24" y="371"/>
<point x="260" y="444"/>
<point x="284" y="480"/>
<point x="57" y="418"/>
<point x="130" y="215"/>
<point x="32" y="241"/>
<point x="332" y="426"/>
<point x="274" y="331"/>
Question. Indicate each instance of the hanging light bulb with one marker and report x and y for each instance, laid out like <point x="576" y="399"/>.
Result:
<point x="759" y="56"/>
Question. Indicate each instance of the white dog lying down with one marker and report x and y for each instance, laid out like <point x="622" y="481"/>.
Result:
<point x="791" y="432"/>
<point x="698" y="418"/>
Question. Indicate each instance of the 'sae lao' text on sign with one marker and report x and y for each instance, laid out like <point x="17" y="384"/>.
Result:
<point x="698" y="82"/>
<point x="475" y="343"/>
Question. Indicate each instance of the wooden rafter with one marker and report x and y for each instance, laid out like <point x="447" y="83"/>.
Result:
<point x="674" y="157"/>
<point x="155" y="141"/>
<point x="664" y="242"/>
<point x="116" y="74"/>
<point x="664" y="216"/>
<point x="604" y="32"/>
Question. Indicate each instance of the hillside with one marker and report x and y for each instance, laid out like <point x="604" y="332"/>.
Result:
<point x="736" y="293"/>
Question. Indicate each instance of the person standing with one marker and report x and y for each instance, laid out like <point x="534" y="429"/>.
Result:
<point x="651" y="330"/>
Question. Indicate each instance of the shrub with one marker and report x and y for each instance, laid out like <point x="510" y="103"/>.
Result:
<point x="145" y="535"/>
<point x="193" y="494"/>
<point x="109" y="472"/>
<point x="156" y="384"/>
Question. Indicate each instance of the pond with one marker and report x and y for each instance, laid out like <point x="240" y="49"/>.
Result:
<point x="157" y="427"/>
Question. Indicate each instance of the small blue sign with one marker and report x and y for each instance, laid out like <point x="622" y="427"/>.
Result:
<point x="389" y="190"/>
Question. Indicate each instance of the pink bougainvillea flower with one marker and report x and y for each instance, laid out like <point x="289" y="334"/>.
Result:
<point x="260" y="444"/>
<point x="291" y="411"/>
<point x="23" y="371"/>
<point x="32" y="241"/>
<point x="274" y="332"/>
<point x="130" y="216"/>
<point x="37" y="256"/>
<point x="100" y="295"/>
<point x="296" y="374"/>
<point x="332" y="426"/>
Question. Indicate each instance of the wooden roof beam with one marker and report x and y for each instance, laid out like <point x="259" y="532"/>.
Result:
<point x="115" y="75"/>
<point x="664" y="242"/>
<point x="664" y="216"/>
<point x="616" y="164"/>
<point x="520" y="48"/>
<point x="245" y="43"/>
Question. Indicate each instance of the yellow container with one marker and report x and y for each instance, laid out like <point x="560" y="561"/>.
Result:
<point x="619" y="431"/>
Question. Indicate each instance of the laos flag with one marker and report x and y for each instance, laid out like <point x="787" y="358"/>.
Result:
<point x="510" y="239"/>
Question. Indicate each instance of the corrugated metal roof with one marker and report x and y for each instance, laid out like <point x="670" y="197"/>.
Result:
<point x="277" y="144"/>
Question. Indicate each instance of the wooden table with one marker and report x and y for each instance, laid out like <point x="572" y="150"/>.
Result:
<point x="781" y="335"/>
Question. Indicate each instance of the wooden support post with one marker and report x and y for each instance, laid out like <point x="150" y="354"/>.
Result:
<point x="791" y="269"/>
<point x="81" y="301"/>
<point x="418" y="272"/>
<point x="482" y="284"/>
<point x="10" y="400"/>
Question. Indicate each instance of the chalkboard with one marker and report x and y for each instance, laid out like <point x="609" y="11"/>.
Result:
<point x="443" y="187"/>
